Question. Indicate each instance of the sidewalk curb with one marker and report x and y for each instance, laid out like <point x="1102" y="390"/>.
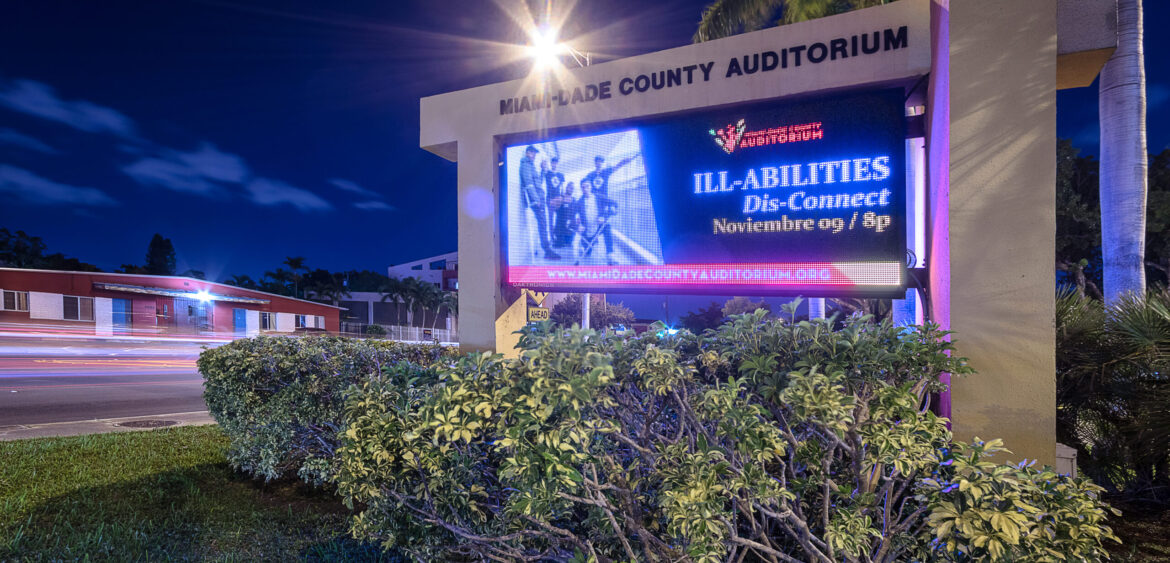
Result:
<point x="101" y="425"/>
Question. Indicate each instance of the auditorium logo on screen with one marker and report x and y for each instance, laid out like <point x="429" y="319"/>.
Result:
<point x="736" y="136"/>
<point x="729" y="137"/>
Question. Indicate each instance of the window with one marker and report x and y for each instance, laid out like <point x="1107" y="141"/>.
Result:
<point x="78" y="308"/>
<point x="416" y="267"/>
<point x="15" y="301"/>
<point x="267" y="321"/>
<point x="320" y="322"/>
<point x="300" y="321"/>
<point x="439" y="265"/>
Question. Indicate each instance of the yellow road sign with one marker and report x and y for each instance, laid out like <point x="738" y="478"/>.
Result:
<point x="537" y="314"/>
<point x="537" y="296"/>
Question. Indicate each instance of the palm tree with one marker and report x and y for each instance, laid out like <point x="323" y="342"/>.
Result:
<point x="413" y="292"/>
<point x="331" y="288"/>
<point x="451" y="302"/>
<point x="295" y="264"/>
<point x="1112" y="389"/>
<point x="277" y="281"/>
<point x="434" y="299"/>
<point x="1122" y="115"/>
<point x="723" y="18"/>
<point x="408" y="291"/>
<point x="240" y="280"/>
<point x="393" y="291"/>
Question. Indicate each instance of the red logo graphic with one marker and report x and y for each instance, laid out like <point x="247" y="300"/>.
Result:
<point x="729" y="137"/>
<point x="737" y="136"/>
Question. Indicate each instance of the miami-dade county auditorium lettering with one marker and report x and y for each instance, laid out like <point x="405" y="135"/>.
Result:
<point x="805" y="197"/>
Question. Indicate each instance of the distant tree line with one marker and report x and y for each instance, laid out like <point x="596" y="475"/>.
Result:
<point x="22" y="250"/>
<point x="1078" y="220"/>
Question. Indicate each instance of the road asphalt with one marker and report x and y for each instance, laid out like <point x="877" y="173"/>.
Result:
<point x="47" y="382"/>
<point x="104" y="425"/>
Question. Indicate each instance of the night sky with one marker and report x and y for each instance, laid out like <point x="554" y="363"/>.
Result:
<point x="249" y="131"/>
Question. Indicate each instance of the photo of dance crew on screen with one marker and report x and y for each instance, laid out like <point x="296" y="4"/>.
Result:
<point x="580" y="201"/>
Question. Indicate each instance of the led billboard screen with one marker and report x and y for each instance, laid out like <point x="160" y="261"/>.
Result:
<point x="778" y="198"/>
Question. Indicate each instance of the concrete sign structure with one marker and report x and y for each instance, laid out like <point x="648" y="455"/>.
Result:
<point x="981" y="73"/>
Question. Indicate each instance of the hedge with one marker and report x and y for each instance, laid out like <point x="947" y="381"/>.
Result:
<point x="762" y="440"/>
<point x="280" y="399"/>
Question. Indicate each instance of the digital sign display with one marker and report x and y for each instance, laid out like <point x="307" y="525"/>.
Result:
<point x="803" y="197"/>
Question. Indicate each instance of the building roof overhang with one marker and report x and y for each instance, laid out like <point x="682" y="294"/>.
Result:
<point x="168" y="292"/>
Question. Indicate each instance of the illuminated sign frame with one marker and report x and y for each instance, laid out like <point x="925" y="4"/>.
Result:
<point x="842" y="275"/>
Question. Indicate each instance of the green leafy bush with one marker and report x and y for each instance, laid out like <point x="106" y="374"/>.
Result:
<point x="762" y="440"/>
<point x="1113" y="385"/>
<point x="280" y="399"/>
<point x="980" y="510"/>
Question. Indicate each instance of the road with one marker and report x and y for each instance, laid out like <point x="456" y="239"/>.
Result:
<point x="44" y="380"/>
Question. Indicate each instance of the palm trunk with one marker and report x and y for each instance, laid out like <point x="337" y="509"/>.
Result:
<point x="1122" y="114"/>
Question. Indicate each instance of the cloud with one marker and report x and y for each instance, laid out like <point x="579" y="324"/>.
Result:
<point x="205" y="171"/>
<point x="29" y="187"/>
<point x="373" y="206"/>
<point x="14" y="137"/>
<point x="41" y="100"/>
<point x="194" y="172"/>
<point x="348" y="186"/>
<point x="265" y="191"/>
<point x="211" y="163"/>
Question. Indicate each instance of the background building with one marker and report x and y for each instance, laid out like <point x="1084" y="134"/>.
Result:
<point x="106" y="304"/>
<point x="441" y="270"/>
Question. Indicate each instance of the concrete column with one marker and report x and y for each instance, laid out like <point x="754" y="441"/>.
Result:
<point x="480" y="298"/>
<point x="1001" y="210"/>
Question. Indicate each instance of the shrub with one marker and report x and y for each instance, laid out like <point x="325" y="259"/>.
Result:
<point x="762" y="439"/>
<point x="375" y="330"/>
<point x="1112" y="390"/>
<point x="280" y="399"/>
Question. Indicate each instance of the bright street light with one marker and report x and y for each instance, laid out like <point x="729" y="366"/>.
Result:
<point x="544" y="50"/>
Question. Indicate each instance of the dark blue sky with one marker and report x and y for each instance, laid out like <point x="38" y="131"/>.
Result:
<point x="247" y="131"/>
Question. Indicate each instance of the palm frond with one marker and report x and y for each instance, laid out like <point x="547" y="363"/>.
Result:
<point x="724" y="18"/>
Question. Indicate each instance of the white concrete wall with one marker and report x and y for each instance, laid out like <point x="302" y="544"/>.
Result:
<point x="45" y="306"/>
<point x="286" y="322"/>
<point x="103" y="315"/>
<point x="426" y="273"/>
<point x="252" y="323"/>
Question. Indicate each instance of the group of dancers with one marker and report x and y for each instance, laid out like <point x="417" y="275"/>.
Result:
<point x="555" y="202"/>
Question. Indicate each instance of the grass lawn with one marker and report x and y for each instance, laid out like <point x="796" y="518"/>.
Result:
<point x="158" y="495"/>
<point x="170" y="495"/>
